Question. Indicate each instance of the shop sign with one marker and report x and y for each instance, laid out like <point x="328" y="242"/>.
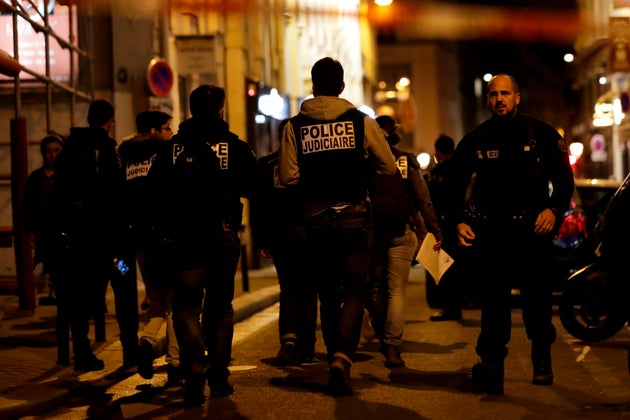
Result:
<point x="619" y="44"/>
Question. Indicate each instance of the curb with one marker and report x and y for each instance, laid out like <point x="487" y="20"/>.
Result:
<point x="25" y="399"/>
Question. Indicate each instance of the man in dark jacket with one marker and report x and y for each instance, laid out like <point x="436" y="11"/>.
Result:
<point x="40" y="226"/>
<point x="515" y="158"/>
<point x="87" y="200"/>
<point x="208" y="171"/>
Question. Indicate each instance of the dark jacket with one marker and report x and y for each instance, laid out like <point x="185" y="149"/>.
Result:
<point x="206" y="171"/>
<point x="139" y="194"/>
<point x="87" y="186"/>
<point x="515" y="161"/>
<point x="39" y="217"/>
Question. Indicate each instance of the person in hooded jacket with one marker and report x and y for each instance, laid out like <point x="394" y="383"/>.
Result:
<point x="207" y="171"/>
<point x="330" y="151"/>
<point x="151" y="246"/>
<point x="396" y="239"/>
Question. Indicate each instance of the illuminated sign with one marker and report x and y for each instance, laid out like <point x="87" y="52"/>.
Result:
<point x="31" y="45"/>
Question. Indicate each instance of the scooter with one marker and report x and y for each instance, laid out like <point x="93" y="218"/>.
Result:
<point x="594" y="305"/>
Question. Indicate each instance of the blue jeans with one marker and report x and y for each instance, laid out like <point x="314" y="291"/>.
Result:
<point x="340" y="247"/>
<point x="391" y="275"/>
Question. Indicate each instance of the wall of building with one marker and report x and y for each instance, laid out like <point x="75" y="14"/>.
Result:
<point x="434" y="90"/>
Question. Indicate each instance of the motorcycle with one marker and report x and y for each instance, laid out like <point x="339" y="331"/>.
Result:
<point x="594" y="304"/>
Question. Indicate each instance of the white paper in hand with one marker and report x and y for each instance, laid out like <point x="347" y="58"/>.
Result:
<point x="436" y="263"/>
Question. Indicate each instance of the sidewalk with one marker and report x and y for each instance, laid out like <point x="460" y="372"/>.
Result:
<point x="29" y="375"/>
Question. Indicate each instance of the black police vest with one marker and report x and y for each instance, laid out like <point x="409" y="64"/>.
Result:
<point x="331" y="158"/>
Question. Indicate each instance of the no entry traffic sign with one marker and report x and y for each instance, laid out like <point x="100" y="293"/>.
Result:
<point x="160" y="77"/>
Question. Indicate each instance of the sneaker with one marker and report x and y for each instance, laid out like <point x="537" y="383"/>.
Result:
<point x="447" y="315"/>
<point x="145" y="359"/>
<point x="287" y="355"/>
<point x="339" y="377"/>
<point x="89" y="363"/>
<point x="392" y="357"/>
<point x="309" y="360"/>
<point x="489" y="377"/>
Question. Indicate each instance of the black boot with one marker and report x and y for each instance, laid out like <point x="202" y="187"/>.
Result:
<point x="489" y="376"/>
<point x="541" y="362"/>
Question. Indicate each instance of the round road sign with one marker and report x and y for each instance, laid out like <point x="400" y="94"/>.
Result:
<point x="160" y="77"/>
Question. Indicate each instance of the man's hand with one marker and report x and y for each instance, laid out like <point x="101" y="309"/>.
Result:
<point x="465" y="235"/>
<point x="545" y="222"/>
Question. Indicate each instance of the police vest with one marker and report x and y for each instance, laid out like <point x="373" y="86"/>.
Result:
<point x="331" y="157"/>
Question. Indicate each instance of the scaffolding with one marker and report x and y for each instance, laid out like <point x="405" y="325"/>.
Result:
<point x="36" y="15"/>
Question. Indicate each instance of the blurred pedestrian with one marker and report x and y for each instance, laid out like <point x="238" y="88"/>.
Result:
<point x="87" y="198"/>
<point x="208" y="171"/>
<point x="516" y="158"/>
<point x="453" y="284"/>
<point x="280" y="217"/>
<point x="330" y="150"/>
<point x="41" y="227"/>
<point x="150" y="241"/>
<point x="396" y="239"/>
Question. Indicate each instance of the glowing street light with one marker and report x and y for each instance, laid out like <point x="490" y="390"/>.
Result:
<point x="424" y="159"/>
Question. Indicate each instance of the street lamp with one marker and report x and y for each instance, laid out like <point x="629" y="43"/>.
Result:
<point x="424" y="159"/>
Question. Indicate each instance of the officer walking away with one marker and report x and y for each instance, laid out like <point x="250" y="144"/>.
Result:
<point x="150" y="244"/>
<point x="40" y="225"/>
<point x="86" y="200"/>
<point x="330" y="151"/>
<point x="211" y="170"/>
<point x="451" y="290"/>
<point x="280" y="234"/>
<point x="515" y="158"/>
<point x="397" y="234"/>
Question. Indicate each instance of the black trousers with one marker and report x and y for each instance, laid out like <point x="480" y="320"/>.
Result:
<point x="205" y="286"/>
<point x="298" y="295"/>
<point x="513" y="256"/>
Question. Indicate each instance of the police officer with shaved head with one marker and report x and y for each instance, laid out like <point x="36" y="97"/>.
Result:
<point x="329" y="151"/>
<point x="515" y="158"/>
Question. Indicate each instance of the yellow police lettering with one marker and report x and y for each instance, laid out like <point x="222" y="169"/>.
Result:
<point x="221" y="152"/>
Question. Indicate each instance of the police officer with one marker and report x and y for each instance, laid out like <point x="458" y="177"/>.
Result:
<point x="330" y="150"/>
<point x="397" y="247"/>
<point x="280" y="234"/>
<point x="515" y="158"/>
<point x="150" y="246"/>
<point x="207" y="173"/>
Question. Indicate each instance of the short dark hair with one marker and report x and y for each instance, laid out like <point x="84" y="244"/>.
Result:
<point x="53" y="138"/>
<point x="327" y="77"/>
<point x="445" y="144"/>
<point x="146" y="120"/>
<point x="207" y="100"/>
<point x="100" y="112"/>
<point x="385" y="122"/>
